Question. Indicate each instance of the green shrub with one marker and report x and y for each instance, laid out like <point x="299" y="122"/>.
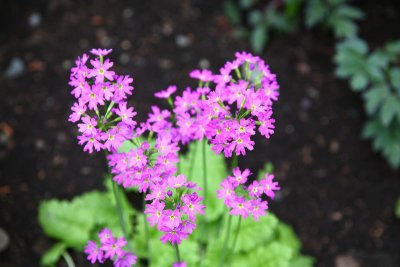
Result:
<point x="376" y="74"/>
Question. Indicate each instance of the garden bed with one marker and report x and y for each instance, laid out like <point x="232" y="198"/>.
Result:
<point x="337" y="193"/>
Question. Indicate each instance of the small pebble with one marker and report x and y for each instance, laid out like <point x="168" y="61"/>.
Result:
<point x="182" y="41"/>
<point x="4" y="239"/>
<point x="127" y="13"/>
<point x="34" y="20"/>
<point x="346" y="261"/>
<point x="124" y="58"/>
<point x="204" y="63"/>
<point x="289" y="129"/>
<point x="15" y="68"/>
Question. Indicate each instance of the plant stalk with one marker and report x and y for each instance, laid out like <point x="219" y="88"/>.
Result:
<point x="225" y="246"/>
<point x="68" y="259"/>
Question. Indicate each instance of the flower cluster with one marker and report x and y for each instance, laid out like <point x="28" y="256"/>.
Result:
<point x="244" y="201"/>
<point x="244" y="93"/>
<point x="173" y="208"/>
<point x="110" y="248"/>
<point x="101" y="111"/>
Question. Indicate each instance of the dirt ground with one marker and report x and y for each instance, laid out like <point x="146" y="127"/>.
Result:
<point x="337" y="193"/>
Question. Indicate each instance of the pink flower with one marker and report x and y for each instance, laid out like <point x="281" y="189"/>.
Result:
<point x="202" y="75"/>
<point x="269" y="186"/>
<point x="100" y="52"/>
<point x="94" y="253"/>
<point x="100" y="71"/>
<point x="166" y="93"/>
<point x="155" y="210"/>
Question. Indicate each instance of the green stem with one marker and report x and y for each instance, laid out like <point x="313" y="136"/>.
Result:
<point x="178" y="257"/>
<point x="225" y="246"/>
<point x="146" y="229"/>
<point x="68" y="259"/>
<point x="235" y="241"/>
<point x="117" y="197"/>
<point x="205" y="172"/>
<point x="191" y="168"/>
<point x="234" y="161"/>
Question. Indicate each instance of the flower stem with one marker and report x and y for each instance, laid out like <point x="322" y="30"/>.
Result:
<point x="235" y="241"/>
<point x="68" y="259"/>
<point x="178" y="257"/>
<point x="146" y="230"/>
<point x="192" y="160"/>
<point x="225" y="246"/>
<point x="117" y="197"/>
<point x="205" y="172"/>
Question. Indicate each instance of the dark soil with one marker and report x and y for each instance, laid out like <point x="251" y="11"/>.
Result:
<point x="337" y="193"/>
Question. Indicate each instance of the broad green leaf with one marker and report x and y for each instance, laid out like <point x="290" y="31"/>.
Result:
<point x="287" y="236"/>
<point x="389" y="110"/>
<point x="302" y="261"/>
<point x="216" y="172"/>
<point x="53" y="255"/>
<point x="255" y="233"/>
<point x="258" y="38"/>
<point x="63" y="222"/>
<point x="274" y="254"/>
<point x="73" y="222"/>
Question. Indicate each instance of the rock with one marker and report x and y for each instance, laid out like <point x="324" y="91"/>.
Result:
<point x="346" y="261"/>
<point x="182" y="41"/>
<point x="15" y="68"/>
<point x="34" y="20"/>
<point x="4" y="239"/>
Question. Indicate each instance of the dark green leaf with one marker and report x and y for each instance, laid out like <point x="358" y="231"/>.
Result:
<point x="394" y="74"/>
<point x="359" y="81"/>
<point x="232" y="12"/>
<point x="258" y="38"/>
<point x="389" y="110"/>
<point x="397" y="208"/>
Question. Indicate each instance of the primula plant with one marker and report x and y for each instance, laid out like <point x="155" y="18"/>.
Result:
<point x="189" y="199"/>
<point x="375" y="74"/>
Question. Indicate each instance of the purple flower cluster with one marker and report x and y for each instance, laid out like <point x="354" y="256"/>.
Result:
<point x="110" y="248"/>
<point x="173" y="208"/>
<point x="244" y="94"/>
<point x="101" y="111"/>
<point x="244" y="201"/>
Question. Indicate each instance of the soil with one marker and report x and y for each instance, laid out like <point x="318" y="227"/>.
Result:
<point x="337" y="193"/>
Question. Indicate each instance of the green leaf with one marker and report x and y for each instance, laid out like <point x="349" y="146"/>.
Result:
<point x="258" y="38"/>
<point x="53" y="255"/>
<point x="394" y="75"/>
<point x="61" y="221"/>
<point x="349" y="12"/>
<point x="268" y="168"/>
<point x="162" y="254"/>
<point x="216" y="172"/>
<point x="256" y="18"/>
<point x="72" y="222"/>
<point x="374" y="98"/>
<point x="246" y="4"/>
<point x="287" y="236"/>
<point x="389" y="110"/>
<point x="232" y="11"/>
<point x="344" y="28"/>
<point x="315" y="12"/>
<point x="255" y="233"/>
<point x="359" y="81"/>
<point x="302" y="261"/>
